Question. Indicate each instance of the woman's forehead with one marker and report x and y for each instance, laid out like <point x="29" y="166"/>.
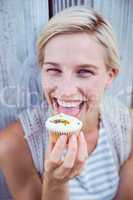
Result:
<point x="76" y="47"/>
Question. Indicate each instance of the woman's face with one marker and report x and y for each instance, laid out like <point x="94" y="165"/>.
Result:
<point x="74" y="74"/>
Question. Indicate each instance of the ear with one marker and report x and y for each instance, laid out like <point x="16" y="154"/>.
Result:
<point x="112" y="74"/>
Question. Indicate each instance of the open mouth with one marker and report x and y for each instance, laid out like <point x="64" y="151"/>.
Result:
<point x="68" y="107"/>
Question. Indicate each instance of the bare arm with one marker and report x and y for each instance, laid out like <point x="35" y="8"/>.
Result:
<point x="125" y="191"/>
<point x="17" y="166"/>
<point x="55" y="191"/>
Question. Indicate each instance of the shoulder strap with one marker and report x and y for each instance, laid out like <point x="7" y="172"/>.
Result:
<point x="116" y="118"/>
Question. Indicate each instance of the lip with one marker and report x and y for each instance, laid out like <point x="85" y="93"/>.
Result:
<point x="74" y="110"/>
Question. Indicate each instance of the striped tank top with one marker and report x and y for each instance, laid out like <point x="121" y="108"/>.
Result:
<point x="99" y="179"/>
<point x="100" y="176"/>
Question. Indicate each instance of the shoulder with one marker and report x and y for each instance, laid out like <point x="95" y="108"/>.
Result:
<point x="131" y="115"/>
<point x="12" y="144"/>
<point x="114" y="108"/>
<point x="9" y="138"/>
<point x="125" y="191"/>
<point x="16" y="164"/>
<point x="33" y="119"/>
<point x="116" y="116"/>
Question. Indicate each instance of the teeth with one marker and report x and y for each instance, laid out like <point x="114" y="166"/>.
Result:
<point x="68" y="104"/>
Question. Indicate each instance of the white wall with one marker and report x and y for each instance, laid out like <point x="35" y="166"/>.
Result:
<point x="20" y="23"/>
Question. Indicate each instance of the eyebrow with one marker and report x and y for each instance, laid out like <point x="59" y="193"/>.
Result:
<point x="85" y="65"/>
<point x="51" y="63"/>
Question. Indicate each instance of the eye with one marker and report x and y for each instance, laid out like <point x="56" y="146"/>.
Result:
<point x="53" y="71"/>
<point x="85" y="73"/>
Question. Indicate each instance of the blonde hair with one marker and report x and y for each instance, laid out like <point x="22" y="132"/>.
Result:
<point x="81" y="19"/>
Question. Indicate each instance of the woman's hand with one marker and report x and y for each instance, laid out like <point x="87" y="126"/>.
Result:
<point x="61" y="171"/>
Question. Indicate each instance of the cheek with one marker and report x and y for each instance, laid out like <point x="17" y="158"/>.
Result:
<point x="47" y="83"/>
<point x="94" y="88"/>
<point x="46" y="87"/>
<point x="47" y="92"/>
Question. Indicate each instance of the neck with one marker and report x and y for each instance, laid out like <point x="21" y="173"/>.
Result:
<point x="92" y="122"/>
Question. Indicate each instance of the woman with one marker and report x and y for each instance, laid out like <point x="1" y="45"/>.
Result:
<point x="79" y="61"/>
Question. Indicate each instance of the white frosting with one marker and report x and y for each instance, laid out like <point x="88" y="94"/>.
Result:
<point x="62" y="123"/>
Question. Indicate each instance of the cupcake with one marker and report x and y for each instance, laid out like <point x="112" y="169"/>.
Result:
<point x="62" y="124"/>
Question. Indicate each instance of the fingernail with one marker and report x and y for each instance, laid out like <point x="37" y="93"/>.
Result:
<point x="63" y="138"/>
<point x="73" y="138"/>
<point x="81" y="134"/>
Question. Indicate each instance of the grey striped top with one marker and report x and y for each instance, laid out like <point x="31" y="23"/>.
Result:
<point x="99" y="180"/>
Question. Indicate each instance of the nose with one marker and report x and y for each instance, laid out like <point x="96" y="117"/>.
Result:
<point x="68" y="88"/>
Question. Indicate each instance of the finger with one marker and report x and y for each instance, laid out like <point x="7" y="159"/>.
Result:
<point x="82" y="148"/>
<point x="54" y="159"/>
<point x="59" y="148"/>
<point x="52" y="138"/>
<point x="49" y="147"/>
<point x="76" y="171"/>
<point x="81" y="156"/>
<point x="69" y="159"/>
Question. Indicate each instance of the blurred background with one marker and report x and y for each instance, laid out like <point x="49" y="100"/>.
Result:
<point x="20" y="25"/>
